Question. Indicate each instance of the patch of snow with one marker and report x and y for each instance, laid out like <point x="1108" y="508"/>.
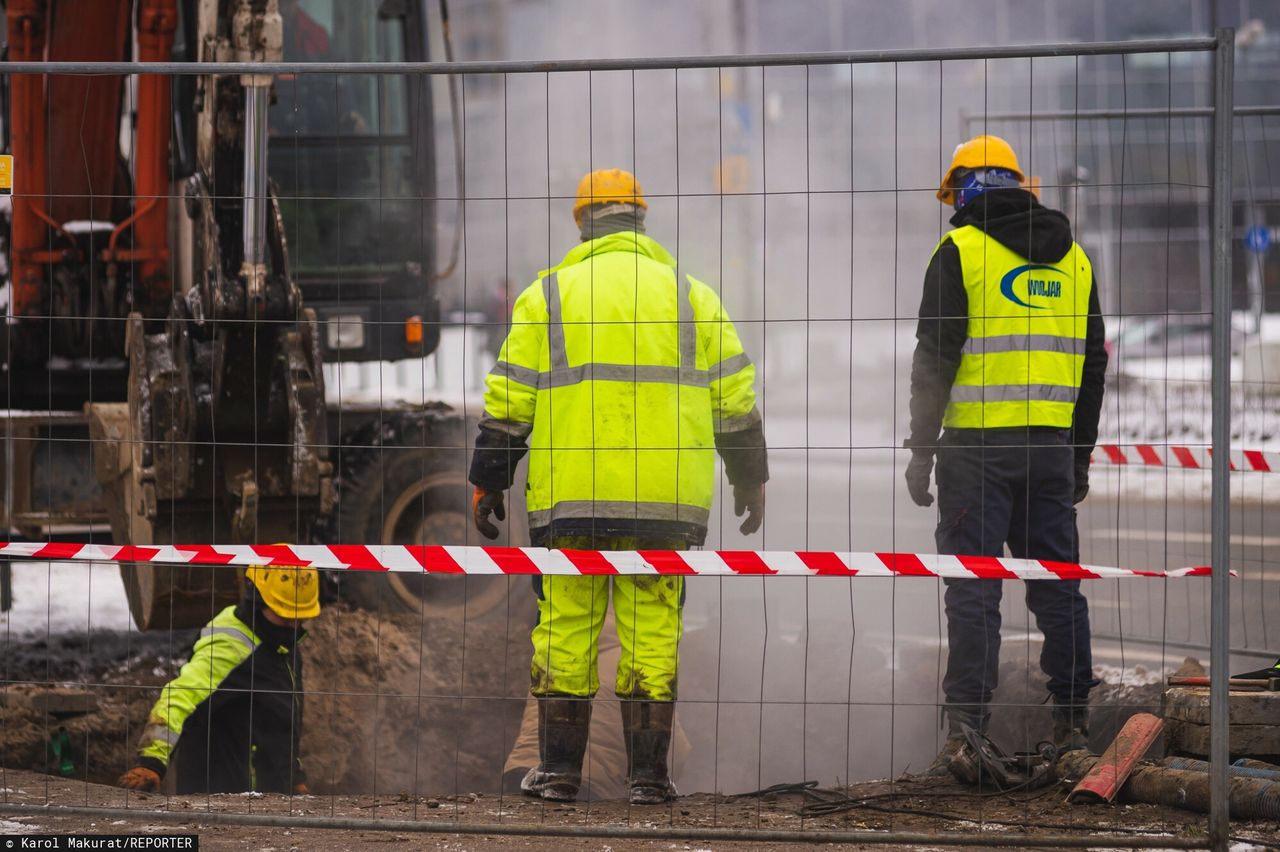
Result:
<point x="1131" y="676"/>
<point x="66" y="597"/>
<point x="8" y="825"/>
<point x="1168" y="411"/>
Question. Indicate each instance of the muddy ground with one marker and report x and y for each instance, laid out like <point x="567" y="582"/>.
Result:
<point x="387" y="737"/>
<point x="901" y="807"/>
<point x="381" y="714"/>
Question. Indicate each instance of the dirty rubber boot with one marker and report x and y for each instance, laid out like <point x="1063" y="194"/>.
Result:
<point x="564" y="724"/>
<point x="1070" y="727"/>
<point x="646" y="729"/>
<point x="941" y="766"/>
<point x="956" y="719"/>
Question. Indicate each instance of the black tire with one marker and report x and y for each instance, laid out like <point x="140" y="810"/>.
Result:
<point x="403" y="480"/>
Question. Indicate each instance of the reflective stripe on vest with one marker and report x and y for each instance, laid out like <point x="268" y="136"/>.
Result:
<point x="562" y="375"/>
<point x="159" y="733"/>
<point x="630" y="390"/>
<point x="620" y="509"/>
<point x="1023" y="359"/>
<point x="229" y="631"/>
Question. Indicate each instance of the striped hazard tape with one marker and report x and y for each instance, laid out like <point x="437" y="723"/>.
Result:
<point x="1171" y="455"/>
<point x="437" y="559"/>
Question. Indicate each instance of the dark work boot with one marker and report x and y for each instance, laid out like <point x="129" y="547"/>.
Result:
<point x="956" y="718"/>
<point x="1070" y="726"/>
<point x="564" y="724"/>
<point x="646" y="729"/>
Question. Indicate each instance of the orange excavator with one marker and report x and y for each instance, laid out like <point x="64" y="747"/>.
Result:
<point x="186" y="250"/>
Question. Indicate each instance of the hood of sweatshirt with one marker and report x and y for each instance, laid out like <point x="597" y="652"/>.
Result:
<point x="1019" y="222"/>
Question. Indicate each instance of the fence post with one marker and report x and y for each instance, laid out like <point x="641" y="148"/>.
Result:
<point x="1220" y="553"/>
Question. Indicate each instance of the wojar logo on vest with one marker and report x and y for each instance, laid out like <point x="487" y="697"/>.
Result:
<point x="1035" y="286"/>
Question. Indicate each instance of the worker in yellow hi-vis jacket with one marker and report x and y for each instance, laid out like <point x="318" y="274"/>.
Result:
<point x="234" y="712"/>
<point x="621" y="378"/>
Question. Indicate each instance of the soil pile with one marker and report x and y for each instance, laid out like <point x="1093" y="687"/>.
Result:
<point x="98" y="687"/>
<point x="395" y="703"/>
<point x="399" y="703"/>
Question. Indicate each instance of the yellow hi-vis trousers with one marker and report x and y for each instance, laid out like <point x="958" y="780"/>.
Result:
<point x="571" y="614"/>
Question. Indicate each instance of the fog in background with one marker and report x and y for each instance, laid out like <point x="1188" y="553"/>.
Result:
<point x="805" y="197"/>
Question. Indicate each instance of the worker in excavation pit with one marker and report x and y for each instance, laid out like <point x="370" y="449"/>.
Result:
<point x="232" y="718"/>
<point x="621" y="378"/>
<point x="1009" y="365"/>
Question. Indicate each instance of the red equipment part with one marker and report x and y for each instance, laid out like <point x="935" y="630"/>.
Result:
<point x="29" y="129"/>
<point x="85" y="179"/>
<point x="157" y="22"/>
<point x="1108" y="775"/>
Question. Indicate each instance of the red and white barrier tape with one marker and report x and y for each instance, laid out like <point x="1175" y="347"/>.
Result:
<point x="436" y="559"/>
<point x="1194" y="458"/>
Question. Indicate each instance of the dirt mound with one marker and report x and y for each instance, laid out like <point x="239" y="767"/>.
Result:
<point x="395" y="703"/>
<point x="1020" y="715"/>
<point x="403" y="704"/>
<point x="115" y="677"/>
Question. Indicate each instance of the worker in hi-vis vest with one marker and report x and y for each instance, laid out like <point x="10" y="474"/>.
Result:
<point x="1009" y="365"/>
<point x="621" y="378"/>
<point x="232" y="718"/>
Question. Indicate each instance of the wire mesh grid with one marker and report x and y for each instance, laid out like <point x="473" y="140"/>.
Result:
<point x="407" y="213"/>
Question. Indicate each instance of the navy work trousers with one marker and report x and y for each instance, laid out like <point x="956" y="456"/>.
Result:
<point x="1010" y="486"/>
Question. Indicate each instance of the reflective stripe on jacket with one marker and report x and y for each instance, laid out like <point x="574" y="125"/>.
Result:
<point x="1023" y="360"/>
<point x="224" y="643"/>
<point x="620" y="372"/>
<point x="231" y="720"/>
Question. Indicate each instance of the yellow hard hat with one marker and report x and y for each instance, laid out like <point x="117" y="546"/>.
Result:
<point x="979" y="152"/>
<point x="605" y="185"/>
<point x="290" y="591"/>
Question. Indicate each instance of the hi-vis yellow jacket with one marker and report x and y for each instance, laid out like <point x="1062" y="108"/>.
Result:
<point x="622" y="373"/>
<point x="1024" y="357"/>
<point x="233" y="715"/>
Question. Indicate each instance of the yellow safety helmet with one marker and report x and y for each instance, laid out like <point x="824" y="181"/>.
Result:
<point x="605" y="185"/>
<point x="979" y="152"/>
<point x="290" y="591"/>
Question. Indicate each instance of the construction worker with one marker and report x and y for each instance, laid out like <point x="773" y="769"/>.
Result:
<point x="620" y="378"/>
<point x="1009" y="365"/>
<point x="233" y="715"/>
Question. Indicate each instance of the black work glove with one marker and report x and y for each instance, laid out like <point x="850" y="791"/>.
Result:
<point x="918" y="471"/>
<point x="1082" y="481"/>
<point x="483" y="504"/>
<point x="749" y="499"/>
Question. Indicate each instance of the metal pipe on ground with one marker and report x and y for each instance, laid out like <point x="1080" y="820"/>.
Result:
<point x="1111" y="770"/>
<point x="1256" y="764"/>
<point x="1247" y="798"/>
<point x="1234" y="770"/>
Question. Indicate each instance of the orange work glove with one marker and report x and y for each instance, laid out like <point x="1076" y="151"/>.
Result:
<point x="301" y="789"/>
<point x="483" y="504"/>
<point x="140" y="778"/>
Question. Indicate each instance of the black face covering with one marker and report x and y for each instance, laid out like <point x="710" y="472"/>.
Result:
<point x="600" y="220"/>
<point x="249" y="611"/>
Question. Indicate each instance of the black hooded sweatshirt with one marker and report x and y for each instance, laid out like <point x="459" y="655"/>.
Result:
<point x="1019" y="222"/>
<point x="245" y="735"/>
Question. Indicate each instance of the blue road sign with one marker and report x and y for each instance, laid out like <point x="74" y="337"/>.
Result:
<point x="1257" y="239"/>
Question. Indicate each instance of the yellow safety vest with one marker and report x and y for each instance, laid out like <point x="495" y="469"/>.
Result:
<point x="1024" y="356"/>
<point x="620" y="372"/>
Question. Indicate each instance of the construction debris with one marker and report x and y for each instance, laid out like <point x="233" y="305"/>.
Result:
<point x="1254" y="731"/>
<point x="1108" y="775"/>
